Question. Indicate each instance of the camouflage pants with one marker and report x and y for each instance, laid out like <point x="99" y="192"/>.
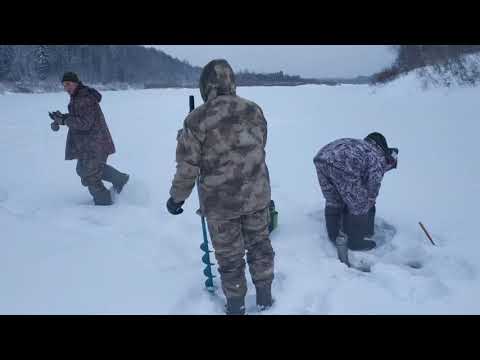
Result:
<point x="341" y="189"/>
<point x="230" y="239"/>
<point x="93" y="171"/>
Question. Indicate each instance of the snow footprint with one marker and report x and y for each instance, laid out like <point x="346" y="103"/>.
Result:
<point x="3" y="195"/>
<point x="136" y="192"/>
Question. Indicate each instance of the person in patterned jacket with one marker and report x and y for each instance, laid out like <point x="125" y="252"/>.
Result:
<point x="88" y="140"/>
<point x="350" y="172"/>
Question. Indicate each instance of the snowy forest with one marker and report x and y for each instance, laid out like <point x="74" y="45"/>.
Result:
<point x="24" y="68"/>
<point x="31" y="65"/>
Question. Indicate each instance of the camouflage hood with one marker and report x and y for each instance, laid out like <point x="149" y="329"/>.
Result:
<point x="217" y="79"/>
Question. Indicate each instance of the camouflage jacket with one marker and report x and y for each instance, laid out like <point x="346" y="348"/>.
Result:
<point x="223" y="142"/>
<point x="361" y="161"/>
<point x="88" y="134"/>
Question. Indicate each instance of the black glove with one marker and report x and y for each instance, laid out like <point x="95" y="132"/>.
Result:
<point x="173" y="207"/>
<point x="58" y="117"/>
<point x="55" y="126"/>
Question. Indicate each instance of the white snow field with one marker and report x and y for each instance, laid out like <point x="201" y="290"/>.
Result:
<point x="59" y="254"/>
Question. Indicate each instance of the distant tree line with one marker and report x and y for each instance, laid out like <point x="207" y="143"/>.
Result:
<point x="245" y="78"/>
<point x="41" y="66"/>
<point x="104" y="64"/>
<point x="441" y="65"/>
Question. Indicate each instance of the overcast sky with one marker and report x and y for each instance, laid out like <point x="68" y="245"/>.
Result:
<point x="304" y="60"/>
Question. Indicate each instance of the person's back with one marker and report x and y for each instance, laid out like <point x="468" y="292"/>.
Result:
<point x="355" y="157"/>
<point x="234" y="178"/>
<point x="223" y="142"/>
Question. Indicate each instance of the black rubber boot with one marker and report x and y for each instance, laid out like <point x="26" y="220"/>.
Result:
<point x="235" y="306"/>
<point x="117" y="178"/>
<point x="264" y="297"/>
<point x="370" y="230"/>
<point x="356" y="230"/>
<point x="333" y="217"/>
<point x="342" y="250"/>
<point x="119" y="186"/>
<point x="102" y="198"/>
<point x="361" y="245"/>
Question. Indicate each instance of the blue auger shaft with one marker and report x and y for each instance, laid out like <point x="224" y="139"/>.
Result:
<point x="208" y="269"/>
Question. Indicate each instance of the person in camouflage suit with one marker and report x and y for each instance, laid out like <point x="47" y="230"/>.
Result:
<point x="223" y="143"/>
<point x="350" y="172"/>
<point x="88" y="140"/>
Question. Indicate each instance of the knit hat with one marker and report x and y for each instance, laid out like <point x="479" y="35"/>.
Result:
<point x="70" y="76"/>
<point x="380" y="140"/>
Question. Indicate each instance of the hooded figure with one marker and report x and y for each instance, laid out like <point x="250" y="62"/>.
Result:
<point x="223" y="144"/>
<point x="89" y="140"/>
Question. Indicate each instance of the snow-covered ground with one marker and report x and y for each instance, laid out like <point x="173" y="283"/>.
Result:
<point x="61" y="255"/>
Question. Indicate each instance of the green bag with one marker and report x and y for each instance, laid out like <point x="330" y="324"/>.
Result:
<point x="273" y="217"/>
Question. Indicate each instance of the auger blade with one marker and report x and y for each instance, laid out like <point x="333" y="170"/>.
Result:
<point x="209" y="285"/>
<point x="208" y="272"/>
<point x="204" y="247"/>
<point x="206" y="259"/>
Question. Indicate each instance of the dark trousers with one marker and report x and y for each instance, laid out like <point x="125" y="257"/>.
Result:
<point x="354" y="226"/>
<point x="93" y="171"/>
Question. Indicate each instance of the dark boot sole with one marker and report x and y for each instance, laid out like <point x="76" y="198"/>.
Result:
<point x="262" y="308"/>
<point x="118" y="189"/>
<point x="235" y="307"/>
<point x="361" y="248"/>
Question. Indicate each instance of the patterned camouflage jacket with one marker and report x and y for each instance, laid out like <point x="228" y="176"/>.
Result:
<point x="88" y="134"/>
<point x="223" y="141"/>
<point x="360" y="160"/>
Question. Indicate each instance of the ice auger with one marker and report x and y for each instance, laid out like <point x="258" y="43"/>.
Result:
<point x="204" y="246"/>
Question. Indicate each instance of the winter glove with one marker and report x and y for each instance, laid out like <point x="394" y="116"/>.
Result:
<point x="392" y="159"/>
<point x="55" y="126"/>
<point x="58" y="117"/>
<point x="174" y="208"/>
